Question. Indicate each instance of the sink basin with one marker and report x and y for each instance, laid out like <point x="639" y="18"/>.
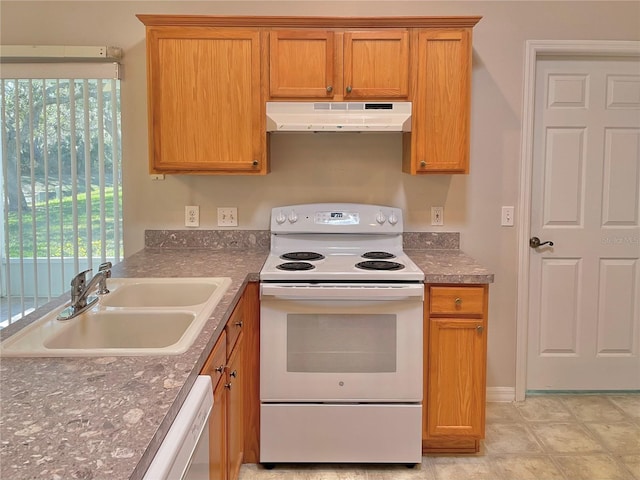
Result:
<point x="122" y="330"/>
<point x="161" y="292"/>
<point x="140" y="316"/>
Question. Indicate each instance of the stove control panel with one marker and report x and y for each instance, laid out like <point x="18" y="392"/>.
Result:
<point x="336" y="218"/>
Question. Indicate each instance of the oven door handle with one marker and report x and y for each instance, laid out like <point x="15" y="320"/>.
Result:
<point x="342" y="292"/>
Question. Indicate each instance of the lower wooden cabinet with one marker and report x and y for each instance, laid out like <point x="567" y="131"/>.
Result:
<point x="218" y="434"/>
<point x="235" y="418"/>
<point x="455" y="342"/>
<point x="233" y="392"/>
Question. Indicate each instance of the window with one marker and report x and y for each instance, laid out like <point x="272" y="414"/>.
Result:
<point x="60" y="182"/>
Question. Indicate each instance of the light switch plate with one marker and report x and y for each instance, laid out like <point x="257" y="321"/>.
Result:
<point x="507" y="216"/>
<point x="437" y="216"/>
<point x="227" y="217"/>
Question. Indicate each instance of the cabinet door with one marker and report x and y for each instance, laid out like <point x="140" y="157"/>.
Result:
<point x="235" y="386"/>
<point x="376" y="64"/>
<point x="442" y="102"/>
<point x="205" y="114"/>
<point x="301" y="64"/>
<point x="456" y="378"/>
<point x="218" y="434"/>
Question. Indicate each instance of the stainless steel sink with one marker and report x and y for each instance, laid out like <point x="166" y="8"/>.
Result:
<point x="140" y="316"/>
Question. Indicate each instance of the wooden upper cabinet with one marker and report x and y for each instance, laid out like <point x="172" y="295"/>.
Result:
<point x="340" y="65"/>
<point x="209" y="78"/>
<point x="206" y="113"/>
<point x="301" y="63"/>
<point x="441" y="103"/>
<point x="376" y="64"/>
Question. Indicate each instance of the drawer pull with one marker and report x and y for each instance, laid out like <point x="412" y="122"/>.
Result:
<point x="458" y="301"/>
<point x="480" y="329"/>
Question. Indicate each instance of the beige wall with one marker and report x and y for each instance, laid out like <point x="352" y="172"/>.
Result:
<point x="348" y="167"/>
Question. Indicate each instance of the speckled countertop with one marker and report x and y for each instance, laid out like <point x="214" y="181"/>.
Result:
<point x="104" y="417"/>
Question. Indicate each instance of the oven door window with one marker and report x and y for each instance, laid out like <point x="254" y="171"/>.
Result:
<point x="341" y="343"/>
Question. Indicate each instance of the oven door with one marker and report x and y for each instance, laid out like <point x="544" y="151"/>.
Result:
<point x="341" y="343"/>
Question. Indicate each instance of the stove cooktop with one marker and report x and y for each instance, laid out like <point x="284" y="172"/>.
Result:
<point x="326" y="242"/>
<point x="341" y="266"/>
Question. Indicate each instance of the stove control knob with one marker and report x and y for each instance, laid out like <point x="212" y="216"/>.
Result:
<point x="380" y="218"/>
<point x="393" y="218"/>
<point x="293" y="217"/>
<point x="280" y="218"/>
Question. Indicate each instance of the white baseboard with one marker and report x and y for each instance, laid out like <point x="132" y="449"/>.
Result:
<point x="501" y="394"/>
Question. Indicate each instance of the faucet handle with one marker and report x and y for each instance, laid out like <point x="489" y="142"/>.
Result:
<point x="80" y="279"/>
<point x="77" y="285"/>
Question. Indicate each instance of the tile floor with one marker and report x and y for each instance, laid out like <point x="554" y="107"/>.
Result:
<point x="546" y="437"/>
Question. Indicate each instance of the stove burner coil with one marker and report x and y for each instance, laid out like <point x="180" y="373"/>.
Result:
<point x="308" y="256"/>
<point x="293" y="266"/>
<point x="379" y="265"/>
<point x="378" y="255"/>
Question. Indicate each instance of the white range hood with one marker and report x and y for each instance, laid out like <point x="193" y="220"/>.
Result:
<point x="338" y="116"/>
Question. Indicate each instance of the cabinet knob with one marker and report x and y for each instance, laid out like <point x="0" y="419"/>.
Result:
<point x="220" y="369"/>
<point x="239" y="324"/>
<point x="255" y="163"/>
<point x="458" y="301"/>
<point x="423" y="164"/>
<point x="329" y="89"/>
<point x="227" y="386"/>
<point x="234" y="374"/>
<point x="349" y="89"/>
<point x="480" y="329"/>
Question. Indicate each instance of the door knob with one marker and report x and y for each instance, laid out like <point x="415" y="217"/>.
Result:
<point x="534" y="242"/>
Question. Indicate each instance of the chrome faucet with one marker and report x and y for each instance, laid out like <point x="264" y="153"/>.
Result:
<point x="81" y="289"/>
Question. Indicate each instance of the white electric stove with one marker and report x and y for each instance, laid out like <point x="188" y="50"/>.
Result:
<point x="341" y="338"/>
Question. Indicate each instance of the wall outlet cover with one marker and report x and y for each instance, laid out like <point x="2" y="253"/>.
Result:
<point x="191" y="216"/>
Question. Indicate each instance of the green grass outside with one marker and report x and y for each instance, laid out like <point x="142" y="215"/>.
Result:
<point x="59" y="241"/>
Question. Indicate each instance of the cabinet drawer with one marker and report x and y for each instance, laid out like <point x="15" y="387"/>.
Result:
<point x="457" y="300"/>
<point x="234" y="326"/>
<point x="215" y="364"/>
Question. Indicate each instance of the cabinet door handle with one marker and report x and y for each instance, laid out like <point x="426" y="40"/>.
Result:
<point x="329" y="89"/>
<point x="458" y="301"/>
<point x="349" y="89"/>
<point x="220" y="369"/>
<point x="480" y="329"/>
<point x="423" y="164"/>
<point x="254" y="163"/>
<point x="227" y="386"/>
<point x="239" y="324"/>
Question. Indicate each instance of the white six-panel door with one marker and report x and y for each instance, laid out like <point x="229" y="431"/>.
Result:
<point x="584" y="291"/>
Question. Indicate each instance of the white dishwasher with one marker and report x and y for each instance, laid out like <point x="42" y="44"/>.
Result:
<point x="184" y="453"/>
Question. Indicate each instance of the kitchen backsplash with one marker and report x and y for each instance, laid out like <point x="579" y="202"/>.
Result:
<point x="245" y="239"/>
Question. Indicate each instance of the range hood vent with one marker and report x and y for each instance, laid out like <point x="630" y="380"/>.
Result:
<point x="338" y="116"/>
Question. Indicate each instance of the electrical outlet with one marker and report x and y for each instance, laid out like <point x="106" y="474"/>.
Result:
<point x="192" y="216"/>
<point x="227" y="217"/>
<point x="507" y="216"/>
<point x="437" y="216"/>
